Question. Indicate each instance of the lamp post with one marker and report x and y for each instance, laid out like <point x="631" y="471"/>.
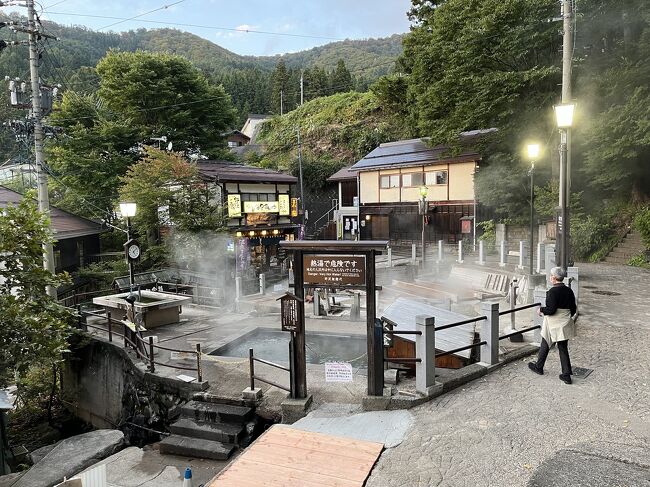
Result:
<point x="533" y="154"/>
<point x="564" y="117"/>
<point x="128" y="210"/>
<point x="423" y="211"/>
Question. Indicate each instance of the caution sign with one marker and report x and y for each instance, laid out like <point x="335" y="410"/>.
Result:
<point x="334" y="270"/>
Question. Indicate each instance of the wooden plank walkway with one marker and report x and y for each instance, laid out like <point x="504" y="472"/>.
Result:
<point x="284" y="456"/>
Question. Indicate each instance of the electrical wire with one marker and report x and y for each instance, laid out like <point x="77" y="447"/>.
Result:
<point x="196" y="26"/>
<point x="121" y="21"/>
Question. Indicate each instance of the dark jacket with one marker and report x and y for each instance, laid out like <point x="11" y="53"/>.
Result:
<point x="559" y="296"/>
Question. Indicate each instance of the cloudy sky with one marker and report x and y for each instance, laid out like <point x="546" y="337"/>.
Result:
<point x="288" y="26"/>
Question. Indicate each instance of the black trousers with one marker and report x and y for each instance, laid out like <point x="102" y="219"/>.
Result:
<point x="565" y="361"/>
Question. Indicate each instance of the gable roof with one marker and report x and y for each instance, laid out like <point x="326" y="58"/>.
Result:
<point x="64" y="224"/>
<point x="417" y="152"/>
<point x="230" y="172"/>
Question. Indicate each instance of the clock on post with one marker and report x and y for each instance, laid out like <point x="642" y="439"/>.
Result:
<point x="132" y="250"/>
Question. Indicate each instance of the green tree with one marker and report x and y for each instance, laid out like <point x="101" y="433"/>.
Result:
<point x="164" y="95"/>
<point x="279" y="87"/>
<point x="480" y="64"/>
<point x="341" y="79"/>
<point x="33" y="326"/>
<point x="88" y="161"/>
<point x="166" y="179"/>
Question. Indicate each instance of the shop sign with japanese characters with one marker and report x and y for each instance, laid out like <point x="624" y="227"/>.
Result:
<point x="334" y="270"/>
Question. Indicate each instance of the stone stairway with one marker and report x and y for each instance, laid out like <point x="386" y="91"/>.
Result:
<point x="629" y="247"/>
<point x="210" y="430"/>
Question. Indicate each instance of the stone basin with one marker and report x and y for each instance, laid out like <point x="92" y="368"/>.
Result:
<point x="156" y="309"/>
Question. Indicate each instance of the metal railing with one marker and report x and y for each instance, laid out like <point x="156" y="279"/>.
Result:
<point x="402" y="360"/>
<point x="513" y="311"/>
<point x="144" y="349"/>
<point x="252" y="359"/>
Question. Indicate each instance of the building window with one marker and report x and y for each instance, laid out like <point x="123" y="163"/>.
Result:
<point x="413" y="179"/>
<point x="391" y="181"/>
<point x="437" y="177"/>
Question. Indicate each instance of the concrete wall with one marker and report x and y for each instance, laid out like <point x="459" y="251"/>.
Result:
<point x="514" y="233"/>
<point x="104" y="387"/>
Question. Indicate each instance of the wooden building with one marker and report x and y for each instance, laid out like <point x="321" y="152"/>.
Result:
<point x="77" y="238"/>
<point x="392" y="177"/>
<point x="261" y="206"/>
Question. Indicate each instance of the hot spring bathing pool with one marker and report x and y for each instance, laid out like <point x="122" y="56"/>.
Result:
<point x="273" y="345"/>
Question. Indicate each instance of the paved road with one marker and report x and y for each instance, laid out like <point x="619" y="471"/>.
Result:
<point x="514" y="428"/>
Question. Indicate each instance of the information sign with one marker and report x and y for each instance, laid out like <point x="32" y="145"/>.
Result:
<point x="338" y="372"/>
<point x="334" y="270"/>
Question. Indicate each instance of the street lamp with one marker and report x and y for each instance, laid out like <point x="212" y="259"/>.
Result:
<point x="127" y="211"/>
<point x="564" y="118"/>
<point x="533" y="155"/>
<point x="423" y="211"/>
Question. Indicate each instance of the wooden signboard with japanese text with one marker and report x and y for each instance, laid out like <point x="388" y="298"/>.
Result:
<point x="334" y="270"/>
<point x="291" y="312"/>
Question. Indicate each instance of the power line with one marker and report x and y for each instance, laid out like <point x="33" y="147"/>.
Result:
<point x="197" y="26"/>
<point x="121" y="21"/>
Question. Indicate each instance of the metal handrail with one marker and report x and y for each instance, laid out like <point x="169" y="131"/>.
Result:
<point x="145" y="344"/>
<point x="334" y="208"/>
<point x="517" y="332"/>
<point x="405" y="332"/>
<point x="520" y="308"/>
<point x="251" y="364"/>
<point x="458" y="323"/>
<point x="460" y="349"/>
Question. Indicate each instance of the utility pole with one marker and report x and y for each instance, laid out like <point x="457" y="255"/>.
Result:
<point x="302" y="196"/>
<point x="302" y="98"/>
<point x="281" y="102"/>
<point x="41" y="176"/>
<point x="565" y="133"/>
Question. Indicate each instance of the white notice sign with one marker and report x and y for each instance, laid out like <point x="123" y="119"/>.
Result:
<point x="338" y="372"/>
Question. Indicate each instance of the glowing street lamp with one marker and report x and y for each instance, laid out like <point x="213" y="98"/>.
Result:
<point x="564" y="115"/>
<point x="564" y="118"/>
<point x="128" y="210"/>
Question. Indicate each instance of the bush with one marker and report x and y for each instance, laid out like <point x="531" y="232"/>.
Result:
<point x="642" y="225"/>
<point x="640" y="260"/>
<point x="588" y="235"/>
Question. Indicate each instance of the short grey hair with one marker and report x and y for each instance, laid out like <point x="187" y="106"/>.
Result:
<point x="558" y="273"/>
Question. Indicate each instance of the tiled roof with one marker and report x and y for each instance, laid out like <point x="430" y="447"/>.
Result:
<point x="225" y="171"/>
<point x="413" y="152"/>
<point x="65" y="225"/>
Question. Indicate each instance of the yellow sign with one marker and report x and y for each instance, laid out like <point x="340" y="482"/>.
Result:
<point x="261" y="207"/>
<point x="234" y="205"/>
<point x="294" y="206"/>
<point x="283" y="203"/>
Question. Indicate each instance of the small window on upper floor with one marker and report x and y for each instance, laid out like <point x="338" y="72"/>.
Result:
<point x="436" y="177"/>
<point x="391" y="181"/>
<point x="413" y="179"/>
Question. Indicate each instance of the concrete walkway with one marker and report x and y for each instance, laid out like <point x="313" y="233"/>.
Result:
<point x="515" y="428"/>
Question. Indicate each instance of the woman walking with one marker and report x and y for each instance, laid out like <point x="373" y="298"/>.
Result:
<point x="558" y="326"/>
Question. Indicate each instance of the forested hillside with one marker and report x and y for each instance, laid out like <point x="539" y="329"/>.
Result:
<point x="70" y="61"/>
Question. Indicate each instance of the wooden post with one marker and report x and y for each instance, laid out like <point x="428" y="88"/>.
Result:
<point x="375" y="363"/>
<point x="152" y="366"/>
<point x="110" y="326"/>
<point x="251" y="368"/>
<point x="299" y="351"/>
<point x="199" y="370"/>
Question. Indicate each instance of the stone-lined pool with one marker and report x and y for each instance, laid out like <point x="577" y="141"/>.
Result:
<point x="321" y="347"/>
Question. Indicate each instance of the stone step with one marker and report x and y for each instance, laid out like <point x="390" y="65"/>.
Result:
<point x="222" y="432"/>
<point x="624" y="254"/>
<point x="215" y="413"/>
<point x="196" y="447"/>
